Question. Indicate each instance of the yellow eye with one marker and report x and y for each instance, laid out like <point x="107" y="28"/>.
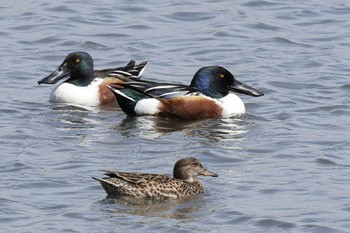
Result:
<point x="77" y="60"/>
<point x="222" y="76"/>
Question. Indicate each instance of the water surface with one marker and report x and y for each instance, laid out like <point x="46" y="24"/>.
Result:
<point x="283" y="166"/>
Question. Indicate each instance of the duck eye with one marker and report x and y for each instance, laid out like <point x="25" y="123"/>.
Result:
<point x="222" y="76"/>
<point x="77" y="60"/>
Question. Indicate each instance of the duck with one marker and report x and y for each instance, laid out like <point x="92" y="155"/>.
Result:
<point x="210" y="94"/>
<point x="86" y="86"/>
<point x="183" y="184"/>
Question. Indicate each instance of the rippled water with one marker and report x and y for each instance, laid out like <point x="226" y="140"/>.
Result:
<point x="283" y="167"/>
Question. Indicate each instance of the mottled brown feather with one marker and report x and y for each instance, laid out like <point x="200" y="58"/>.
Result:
<point x="147" y="185"/>
<point x="150" y="186"/>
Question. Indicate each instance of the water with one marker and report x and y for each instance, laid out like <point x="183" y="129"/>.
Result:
<point x="283" y="167"/>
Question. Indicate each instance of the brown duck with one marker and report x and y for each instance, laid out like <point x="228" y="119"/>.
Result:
<point x="146" y="185"/>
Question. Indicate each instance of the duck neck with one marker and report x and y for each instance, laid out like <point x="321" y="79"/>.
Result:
<point x="183" y="176"/>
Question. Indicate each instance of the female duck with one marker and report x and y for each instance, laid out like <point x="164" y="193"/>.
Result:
<point x="146" y="185"/>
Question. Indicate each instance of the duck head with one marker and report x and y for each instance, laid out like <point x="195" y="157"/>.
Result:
<point x="217" y="82"/>
<point x="78" y="66"/>
<point x="189" y="168"/>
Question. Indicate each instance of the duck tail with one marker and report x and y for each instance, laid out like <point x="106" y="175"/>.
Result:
<point x="127" y="97"/>
<point x="139" y="68"/>
<point x="135" y="70"/>
<point x="131" y="70"/>
<point x="109" y="187"/>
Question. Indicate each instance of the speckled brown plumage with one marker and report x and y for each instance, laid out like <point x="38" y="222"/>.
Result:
<point x="146" y="185"/>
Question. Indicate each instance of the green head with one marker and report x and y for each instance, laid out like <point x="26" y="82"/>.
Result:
<point x="78" y="66"/>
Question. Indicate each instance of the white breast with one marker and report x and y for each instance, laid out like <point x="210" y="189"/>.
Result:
<point x="69" y="93"/>
<point x="231" y="104"/>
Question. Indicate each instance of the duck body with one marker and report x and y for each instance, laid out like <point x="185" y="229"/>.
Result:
<point x="147" y="185"/>
<point x="86" y="86"/>
<point x="210" y="94"/>
<point x="196" y="106"/>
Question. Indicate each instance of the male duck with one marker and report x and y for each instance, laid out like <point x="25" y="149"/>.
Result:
<point x="85" y="86"/>
<point x="146" y="185"/>
<point x="208" y="95"/>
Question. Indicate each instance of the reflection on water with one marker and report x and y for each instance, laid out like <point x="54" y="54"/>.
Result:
<point x="71" y="115"/>
<point x="169" y="208"/>
<point x="76" y="120"/>
<point x="152" y="127"/>
<point x="78" y="123"/>
<point x="293" y="151"/>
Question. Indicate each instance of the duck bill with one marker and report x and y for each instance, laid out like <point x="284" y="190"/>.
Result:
<point x="60" y="73"/>
<point x="209" y="173"/>
<point x="245" y="89"/>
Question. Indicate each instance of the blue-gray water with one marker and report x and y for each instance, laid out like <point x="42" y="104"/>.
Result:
<point x="283" y="167"/>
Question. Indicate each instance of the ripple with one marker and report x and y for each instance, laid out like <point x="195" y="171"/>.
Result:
<point x="346" y="86"/>
<point x="60" y="9"/>
<point x="320" y="229"/>
<point x="261" y="4"/>
<point x="290" y="42"/>
<point x="324" y="161"/>
<point x="273" y="223"/>
<point x="15" y="167"/>
<point x="85" y="44"/>
<point x="332" y="161"/>
<point x="283" y="166"/>
<point x="46" y="40"/>
<point x="190" y="16"/>
<point x="264" y="26"/>
<point x="138" y="27"/>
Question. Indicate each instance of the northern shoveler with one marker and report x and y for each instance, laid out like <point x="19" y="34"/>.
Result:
<point x="208" y="95"/>
<point x="146" y="185"/>
<point x="85" y="86"/>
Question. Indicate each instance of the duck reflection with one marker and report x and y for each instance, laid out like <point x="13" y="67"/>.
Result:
<point x="153" y="127"/>
<point x="77" y="114"/>
<point x="72" y="114"/>
<point x="76" y="121"/>
<point x="169" y="208"/>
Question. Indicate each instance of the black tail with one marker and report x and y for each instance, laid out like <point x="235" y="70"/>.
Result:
<point x="127" y="97"/>
<point x="132" y="69"/>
